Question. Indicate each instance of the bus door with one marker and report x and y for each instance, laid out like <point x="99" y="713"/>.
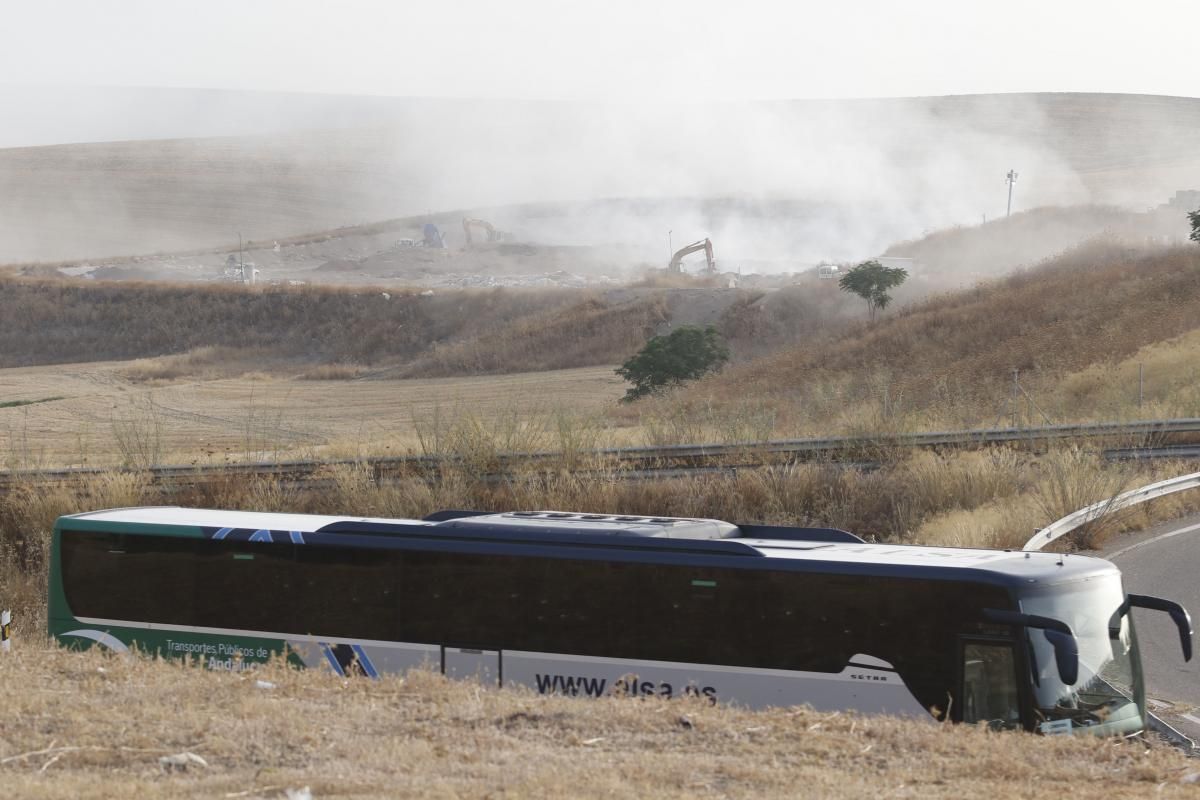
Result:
<point x="465" y="662"/>
<point x="989" y="682"/>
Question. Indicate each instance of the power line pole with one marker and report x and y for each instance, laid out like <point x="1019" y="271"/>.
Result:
<point x="1010" y="179"/>
<point x="670" y="245"/>
<point x="1013" y="398"/>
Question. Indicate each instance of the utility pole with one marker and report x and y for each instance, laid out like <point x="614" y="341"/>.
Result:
<point x="1016" y="388"/>
<point x="670" y="245"/>
<point x="1010" y="179"/>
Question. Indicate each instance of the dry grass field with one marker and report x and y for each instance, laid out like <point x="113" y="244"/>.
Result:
<point x="87" y="725"/>
<point x="104" y="417"/>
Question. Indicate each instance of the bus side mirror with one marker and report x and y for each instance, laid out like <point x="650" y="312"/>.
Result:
<point x="1058" y="634"/>
<point x="1179" y="616"/>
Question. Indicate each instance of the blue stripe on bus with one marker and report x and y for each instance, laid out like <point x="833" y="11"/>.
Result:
<point x="297" y="537"/>
<point x="364" y="662"/>
<point x="333" y="662"/>
<point x="222" y="533"/>
<point x="261" y="536"/>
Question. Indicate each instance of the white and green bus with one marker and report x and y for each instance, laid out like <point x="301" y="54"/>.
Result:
<point x="599" y="605"/>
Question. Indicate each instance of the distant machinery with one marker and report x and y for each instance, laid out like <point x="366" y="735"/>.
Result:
<point x="831" y="271"/>
<point x="433" y="236"/>
<point x="493" y="235"/>
<point x="239" y="271"/>
<point x="676" y="264"/>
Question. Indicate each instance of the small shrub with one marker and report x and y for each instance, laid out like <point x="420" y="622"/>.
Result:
<point x="331" y="372"/>
<point x="685" y="354"/>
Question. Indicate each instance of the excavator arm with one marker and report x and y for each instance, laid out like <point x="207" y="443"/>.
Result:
<point x="481" y="223"/>
<point x="695" y="247"/>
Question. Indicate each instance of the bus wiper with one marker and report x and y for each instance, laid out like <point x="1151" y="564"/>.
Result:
<point x="1179" y="616"/>
<point x="1058" y="633"/>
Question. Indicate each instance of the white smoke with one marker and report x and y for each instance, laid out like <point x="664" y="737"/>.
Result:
<point x="774" y="184"/>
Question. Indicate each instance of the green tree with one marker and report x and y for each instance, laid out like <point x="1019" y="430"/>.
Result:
<point x="1194" y="216"/>
<point x="686" y="353"/>
<point x="872" y="281"/>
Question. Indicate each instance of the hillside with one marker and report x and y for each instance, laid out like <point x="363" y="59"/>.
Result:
<point x="49" y="322"/>
<point x="964" y="255"/>
<point x="461" y="332"/>
<point x="407" y="333"/>
<point x="1071" y="328"/>
<point x="838" y="165"/>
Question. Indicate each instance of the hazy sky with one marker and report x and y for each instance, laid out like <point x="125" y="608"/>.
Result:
<point x="673" y="50"/>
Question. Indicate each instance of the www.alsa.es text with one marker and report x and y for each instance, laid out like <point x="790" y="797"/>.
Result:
<point x="628" y="686"/>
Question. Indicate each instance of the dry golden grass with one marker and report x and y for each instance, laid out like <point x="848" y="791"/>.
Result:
<point x="92" y="725"/>
<point x="199" y="364"/>
<point x="1170" y="376"/>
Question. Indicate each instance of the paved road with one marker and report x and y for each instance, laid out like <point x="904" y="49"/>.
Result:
<point x="1165" y="561"/>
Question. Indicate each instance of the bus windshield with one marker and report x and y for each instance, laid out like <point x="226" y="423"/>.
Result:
<point x="1109" y="696"/>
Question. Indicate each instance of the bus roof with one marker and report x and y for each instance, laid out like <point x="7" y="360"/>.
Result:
<point x="218" y="518"/>
<point x="813" y="545"/>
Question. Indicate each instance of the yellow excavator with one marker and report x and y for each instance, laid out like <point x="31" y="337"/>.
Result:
<point x="695" y="247"/>
<point x="493" y="235"/>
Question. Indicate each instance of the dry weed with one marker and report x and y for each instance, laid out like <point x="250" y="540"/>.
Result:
<point x="138" y="433"/>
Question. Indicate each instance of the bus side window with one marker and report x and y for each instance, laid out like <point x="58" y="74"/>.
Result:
<point x="989" y="685"/>
<point x="120" y="577"/>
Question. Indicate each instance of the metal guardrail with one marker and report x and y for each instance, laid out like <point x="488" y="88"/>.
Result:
<point x="1083" y="516"/>
<point x="959" y="438"/>
<point x="1175" y="451"/>
<point x="1172" y="734"/>
<point x="645" y="459"/>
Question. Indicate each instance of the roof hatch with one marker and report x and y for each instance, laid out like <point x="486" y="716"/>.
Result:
<point x="598" y="525"/>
